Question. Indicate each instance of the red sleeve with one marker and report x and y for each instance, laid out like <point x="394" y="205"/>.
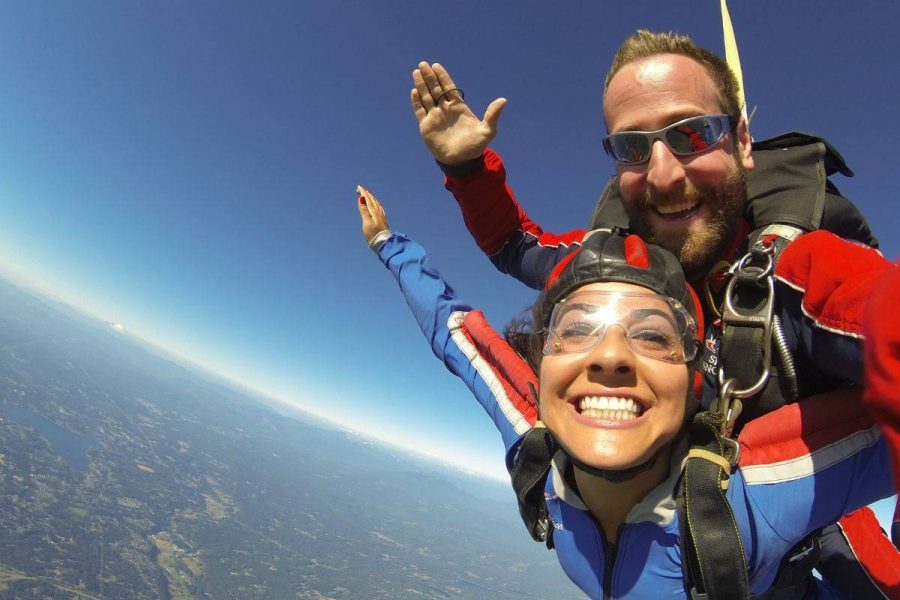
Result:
<point x="835" y="276"/>
<point x="872" y="550"/>
<point x="853" y="290"/>
<point x="881" y="327"/>
<point x="491" y="212"/>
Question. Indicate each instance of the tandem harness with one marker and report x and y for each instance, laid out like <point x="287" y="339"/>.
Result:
<point x="715" y="563"/>
<point x="789" y="193"/>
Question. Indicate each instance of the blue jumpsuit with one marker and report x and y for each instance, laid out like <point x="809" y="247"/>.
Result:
<point x="799" y="470"/>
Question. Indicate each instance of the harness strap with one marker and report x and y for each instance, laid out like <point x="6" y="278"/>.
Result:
<point x="529" y="476"/>
<point x="713" y="458"/>
<point x="748" y="324"/>
<point x="714" y="552"/>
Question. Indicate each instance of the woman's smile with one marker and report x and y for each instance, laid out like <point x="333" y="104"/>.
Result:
<point x="607" y="410"/>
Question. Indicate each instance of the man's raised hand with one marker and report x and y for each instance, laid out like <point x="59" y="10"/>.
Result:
<point x="451" y="131"/>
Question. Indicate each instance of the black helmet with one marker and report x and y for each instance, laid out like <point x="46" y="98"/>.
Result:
<point x="607" y="256"/>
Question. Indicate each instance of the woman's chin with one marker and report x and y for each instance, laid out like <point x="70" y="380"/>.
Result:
<point x="612" y="465"/>
<point x="611" y="457"/>
<point x="607" y="461"/>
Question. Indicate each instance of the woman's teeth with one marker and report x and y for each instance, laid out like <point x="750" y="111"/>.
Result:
<point x="609" y="409"/>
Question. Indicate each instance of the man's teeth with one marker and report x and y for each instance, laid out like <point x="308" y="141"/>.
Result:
<point x="676" y="208"/>
<point x="609" y="409"/>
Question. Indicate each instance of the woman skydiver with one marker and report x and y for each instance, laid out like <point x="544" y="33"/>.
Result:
<point x="616" y="331"/>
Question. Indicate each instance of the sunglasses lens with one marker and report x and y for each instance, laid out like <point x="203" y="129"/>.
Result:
<point x="691" y="136"/>
<point x="628" y="147"/>
<point x="694" y="135"/>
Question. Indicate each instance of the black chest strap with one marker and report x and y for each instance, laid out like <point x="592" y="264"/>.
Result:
<point x="713" y="553"/>
<point x="529" y="476"/>
<point x="752" y="335"/>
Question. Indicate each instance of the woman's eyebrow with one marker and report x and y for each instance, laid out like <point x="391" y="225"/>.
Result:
<point x="583" y="307"/>
<point x="643" y="313"/>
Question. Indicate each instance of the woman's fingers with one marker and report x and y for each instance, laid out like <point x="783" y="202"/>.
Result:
<point x="371" y="210"/>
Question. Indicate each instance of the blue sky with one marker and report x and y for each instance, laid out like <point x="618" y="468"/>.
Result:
<point x="188" y="169"/>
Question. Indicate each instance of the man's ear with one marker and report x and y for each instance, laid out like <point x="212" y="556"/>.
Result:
<point x="744" y="143"/>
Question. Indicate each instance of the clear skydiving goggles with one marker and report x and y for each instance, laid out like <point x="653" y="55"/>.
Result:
<point x="687" y="137"/>
<point x="653" y="325"/>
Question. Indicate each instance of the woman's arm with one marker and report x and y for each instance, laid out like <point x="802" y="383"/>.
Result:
<point x="459" y="337"/>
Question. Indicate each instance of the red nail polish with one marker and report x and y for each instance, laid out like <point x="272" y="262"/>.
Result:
<point x="362" y="200"/>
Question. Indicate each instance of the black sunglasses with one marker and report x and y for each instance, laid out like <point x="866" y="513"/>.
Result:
<point x="685" y="138"/>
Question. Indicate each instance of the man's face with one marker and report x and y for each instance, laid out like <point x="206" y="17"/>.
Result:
<point x="688" y="205"/>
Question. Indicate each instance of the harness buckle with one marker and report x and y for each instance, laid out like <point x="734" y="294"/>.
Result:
<point x="753" y="273"/>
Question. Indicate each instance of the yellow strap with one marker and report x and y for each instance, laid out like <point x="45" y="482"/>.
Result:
<point x="713" y="458"/>
<point x="732" y="57"/>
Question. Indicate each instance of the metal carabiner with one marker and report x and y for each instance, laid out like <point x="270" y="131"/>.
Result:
<point x="731" y="316"/>
<point x="728" y="404"/>
<point x="743" y="267"/>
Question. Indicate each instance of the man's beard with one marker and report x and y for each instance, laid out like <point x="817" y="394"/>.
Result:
<point x="697" y="248"/>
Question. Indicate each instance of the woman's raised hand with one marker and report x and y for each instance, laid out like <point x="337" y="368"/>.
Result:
<point x="371" y="213"/>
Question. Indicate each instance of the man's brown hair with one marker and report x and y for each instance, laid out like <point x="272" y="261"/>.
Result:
<point x="644" y="44"/>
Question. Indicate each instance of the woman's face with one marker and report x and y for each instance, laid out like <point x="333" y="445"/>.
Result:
<point x="609" y="406"/>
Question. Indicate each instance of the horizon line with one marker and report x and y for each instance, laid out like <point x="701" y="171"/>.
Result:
<point x="267" y="397"/>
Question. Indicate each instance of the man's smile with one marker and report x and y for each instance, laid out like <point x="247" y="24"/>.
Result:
<point x="680" y="211"/>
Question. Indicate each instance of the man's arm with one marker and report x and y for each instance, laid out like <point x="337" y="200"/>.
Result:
<point x="850" y="324"/>
<point x="881" y="327"/>
<point x="824" y="286"/>
<point x="502" y="229"/>
<point x="458" y="140"/>
<point x="832" y="293"/>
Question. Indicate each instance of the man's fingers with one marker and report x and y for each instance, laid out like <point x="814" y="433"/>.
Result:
<point x="434" y="88"/>
<point x="418" y="108"/>
<point x="443" y="77"/>
<point x="419" y="82"/>
<point x="422" y="88"/>
<point x="492" y="114"/>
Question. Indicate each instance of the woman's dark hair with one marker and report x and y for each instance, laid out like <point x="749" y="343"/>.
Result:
<point x="526" y="338"/>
